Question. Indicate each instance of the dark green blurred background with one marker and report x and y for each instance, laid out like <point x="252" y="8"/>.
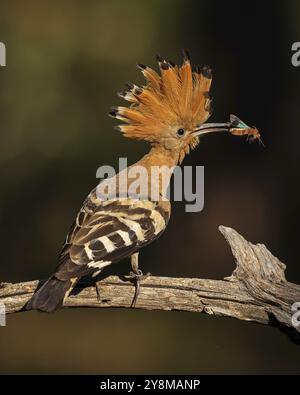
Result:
<point x="65" y="62"/>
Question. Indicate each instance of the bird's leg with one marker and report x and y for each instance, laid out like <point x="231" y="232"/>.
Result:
<point x="137" y="275"/>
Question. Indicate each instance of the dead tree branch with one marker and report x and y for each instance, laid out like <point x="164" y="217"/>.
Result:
<point x="256" y="291"/>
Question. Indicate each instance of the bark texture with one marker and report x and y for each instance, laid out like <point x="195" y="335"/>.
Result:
<point x="256" y="291"/>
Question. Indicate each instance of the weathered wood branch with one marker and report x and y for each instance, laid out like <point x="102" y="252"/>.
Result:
<point x="256" y="291"/>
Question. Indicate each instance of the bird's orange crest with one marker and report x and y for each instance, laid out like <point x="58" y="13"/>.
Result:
<point x="177" y="97"/>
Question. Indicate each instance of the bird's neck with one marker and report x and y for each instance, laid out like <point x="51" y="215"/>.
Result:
<point x="149" y="177"/>
<point x="159" y="164"/>
<point x="159" y="156"/>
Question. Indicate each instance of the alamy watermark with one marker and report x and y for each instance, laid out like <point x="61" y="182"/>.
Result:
<point x="296" y="316"/>
<point x="296" y="54"/>
<point x="143" y="183"/>
<point x="2" y="314"/>
<point x="2" y="54"/>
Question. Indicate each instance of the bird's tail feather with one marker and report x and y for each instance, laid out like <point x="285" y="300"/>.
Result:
<point x="50" y="296"/>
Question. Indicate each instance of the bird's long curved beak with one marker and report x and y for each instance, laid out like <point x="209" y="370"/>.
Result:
<point x="212" y="128"/>
<point x="206" y="128"/>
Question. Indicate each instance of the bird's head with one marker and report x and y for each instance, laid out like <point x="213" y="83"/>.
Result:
<point x="171" y="109"/>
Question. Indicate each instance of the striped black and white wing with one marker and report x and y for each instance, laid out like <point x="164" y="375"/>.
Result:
<point x="107" y="232"/>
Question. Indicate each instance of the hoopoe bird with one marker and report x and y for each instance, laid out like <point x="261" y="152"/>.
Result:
<point x="169" y="112"/>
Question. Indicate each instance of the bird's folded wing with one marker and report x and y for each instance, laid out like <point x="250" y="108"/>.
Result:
<point x="107" y="233"/>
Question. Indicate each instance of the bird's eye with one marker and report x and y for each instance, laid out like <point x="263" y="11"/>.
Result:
<point x="180" y="132"/>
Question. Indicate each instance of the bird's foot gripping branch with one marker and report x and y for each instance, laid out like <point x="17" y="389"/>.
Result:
<point x="256" y="291"/>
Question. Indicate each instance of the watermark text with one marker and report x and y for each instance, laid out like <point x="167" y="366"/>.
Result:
<point x="2" y="314"/>
<point x="296" y="54"/>
<point x="2" y="54"/>
<point x="144" y="183"/>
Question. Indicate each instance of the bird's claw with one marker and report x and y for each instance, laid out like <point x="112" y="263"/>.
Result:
<point x="137" y="278"/>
